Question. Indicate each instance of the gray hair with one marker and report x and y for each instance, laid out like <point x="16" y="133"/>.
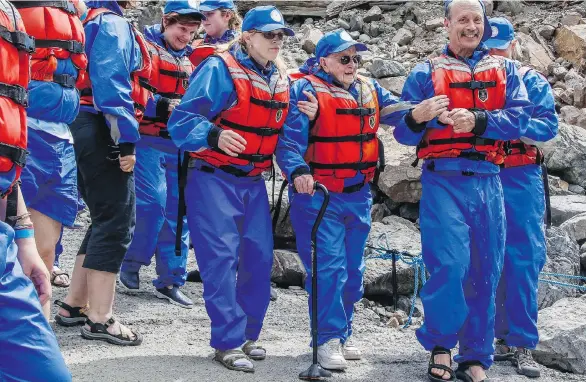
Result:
<point x="451" y="4"/>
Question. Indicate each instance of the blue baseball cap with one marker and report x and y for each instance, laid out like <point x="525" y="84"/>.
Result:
<point x="336" y="41"/>
<point x="212" y="5"/>
<point x="182" y="7"/>
<point x="265" y="19"/>
<point x="487" y="33"/>
<point x="503" y="33"/>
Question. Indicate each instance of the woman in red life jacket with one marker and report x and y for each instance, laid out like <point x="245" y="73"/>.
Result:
<point x="156" y="173"/>
<point x="229" y="119"/>
<point x="105" y="133"/>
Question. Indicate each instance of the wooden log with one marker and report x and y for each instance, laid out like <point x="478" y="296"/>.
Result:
<point x="337" y="6"/>
<point x="289" y="8"/>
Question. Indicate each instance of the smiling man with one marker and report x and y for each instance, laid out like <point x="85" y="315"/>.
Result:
<point x="462" y="212"/>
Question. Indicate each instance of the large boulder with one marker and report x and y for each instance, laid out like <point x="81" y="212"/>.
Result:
<point x="393" y="84"/>
<point x="570" y="44"/>
<point x="563" y="257"/>
<point x="562" y="336"/>
<point x="400" y="181"/>
<point x="386" y="68"/>
<point x="534" y="52"/>
<point x="287" y="269"/>
<point x="398" y="234"/>
<point x="565" y="207"/>
<point x="565" y="155"/>
<point x="576" y="227"/>
<point x="310" y="38"/>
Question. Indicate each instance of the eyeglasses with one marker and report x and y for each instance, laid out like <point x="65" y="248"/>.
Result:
<point x="272" y="35"/>
<point x="345" y="60"/>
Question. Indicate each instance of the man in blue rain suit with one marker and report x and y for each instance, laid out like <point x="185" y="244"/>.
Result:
<point x="340" y="150"/>
<point x="525" y="252"/>
<point x="157" y="187"/>
<point x="462" y="211"/>
<point x="28" y="348"/>
<point x="49" y="181"/>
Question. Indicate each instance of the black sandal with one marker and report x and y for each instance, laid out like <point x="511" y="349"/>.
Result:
<point x="432" y="365"/>
<point x="99" y="331"/>
<point x="76" y="315"/>
<point x="463" y="376"/>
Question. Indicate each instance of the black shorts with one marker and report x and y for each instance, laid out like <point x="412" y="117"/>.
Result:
<point x="108" y="192"/>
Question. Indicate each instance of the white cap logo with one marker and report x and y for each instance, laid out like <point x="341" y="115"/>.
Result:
<point x="193" y="3"/>
<point x="345" y="36"/>
<point x="495" y="31"/>
<point x="276" y="16"/>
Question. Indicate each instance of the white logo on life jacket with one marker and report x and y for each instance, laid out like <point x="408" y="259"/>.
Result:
<point x="279" y="115"/>
<point x="372" y="121"/>
<point x="276" y="16"/>
<point x="483" y="95"/>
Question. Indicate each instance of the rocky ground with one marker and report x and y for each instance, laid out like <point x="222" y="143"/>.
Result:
<point x="176" y="348"/>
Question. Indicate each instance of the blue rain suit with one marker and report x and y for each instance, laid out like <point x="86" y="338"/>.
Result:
<point x="343" y="232"/>
<point x="228" y="215"/>
<point x="49" y="180"/>
<point x="463" y="224"/>
<point x="525" y="252"/>
<point x="157" y="197"/>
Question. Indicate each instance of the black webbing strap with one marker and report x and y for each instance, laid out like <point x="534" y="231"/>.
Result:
<point x="20" y="40"/>
<point x="473" y="85"/>
<point x="64" y="80"/>
<point x="12" y="206"/>
<point x="16" y="93"/>
<point x="269" y="104"/>
<point x="260" y="131"/>
<point x="67" y="6"/>
<point x="16" y="154"/>
<point x="359" y="111"/>
<point x="182" y="165"/>
<point x="143" y="82"/>
<point x="174" y="73"/>
<point x="547" y="196"/>
<point x="342" y="166"/>
<point x="72" y="46"/>
<point x="348" y="138"/>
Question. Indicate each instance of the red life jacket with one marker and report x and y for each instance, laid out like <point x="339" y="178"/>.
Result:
<point x="519" y="153"/>
<point x="343" y="139"/>
<point x="200" y="52"/>
<point x="169" y="78"/>
<point x="258" y="116"/>
<point x="58" y="34"/>
<point x="140" y="94"/>
<point x="16" y="47"/>
<point x="483" y="87"/>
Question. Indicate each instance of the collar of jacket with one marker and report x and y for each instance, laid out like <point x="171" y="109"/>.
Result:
<point x="111" y="5"/>
<point x="228" y="36"/>
<point x="244" y="59"/>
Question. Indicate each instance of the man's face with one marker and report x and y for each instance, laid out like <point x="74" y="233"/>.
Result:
<point x="465" y="24"/>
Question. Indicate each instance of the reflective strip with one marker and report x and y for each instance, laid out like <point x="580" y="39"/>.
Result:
<point x="457" y="68"/>
<point x="261" y="86"/>
<point x="486" y="67"/>
<point x="236" y="70"/>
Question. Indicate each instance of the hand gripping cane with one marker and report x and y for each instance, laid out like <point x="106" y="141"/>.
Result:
<point x="315" y="371"/>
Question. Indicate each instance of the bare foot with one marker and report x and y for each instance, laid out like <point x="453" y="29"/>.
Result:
<point x="442" y="359"/>
<point x="477" y="373"/>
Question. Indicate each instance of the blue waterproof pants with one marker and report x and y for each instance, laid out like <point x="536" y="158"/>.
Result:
<point x="29" y="351"/>
<point x="341" y="239"/>
<point x="463" y="237"/>
<point x="232" y="236"/>
<point x="157" y="199"/>
<point x="525" y="254"/>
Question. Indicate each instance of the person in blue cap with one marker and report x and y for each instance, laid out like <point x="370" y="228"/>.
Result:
<point x="472" y="102"/>
<point x="523" y="188"/>
<point x="105" y="133"/>
<point x="340" y="150"/>
<point x="229" y="121"/>
<point x="222" y="23"/>
<point x="157" y="185"/>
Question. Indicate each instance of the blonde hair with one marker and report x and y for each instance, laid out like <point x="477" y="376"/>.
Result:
<point x="235" y="22"/>
<point x="278" y="62"/>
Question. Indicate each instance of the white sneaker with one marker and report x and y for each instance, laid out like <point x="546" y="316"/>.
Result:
<point x="351" y="351"/>
<point x="329" y="355"/>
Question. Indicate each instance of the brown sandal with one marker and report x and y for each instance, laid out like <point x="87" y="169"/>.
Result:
<point x="57" y="273"/>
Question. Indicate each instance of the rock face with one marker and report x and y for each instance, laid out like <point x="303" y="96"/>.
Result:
<point x="563" y="257"/>
<point x="310" y="38"/>
<point x="393" y="84"/>
<point x="384" y="68"/>
<point x="570" y="43"/>
<point x="566" y="207"/>
<point x="536" y="54"/>
<point x="562" y="332"/>
<point x="394" y="233"/>
<point x="400" y="181"/>
<point x="576" y="227"/>
<point x="565" y="155"/>
<point x="287" y="269"/>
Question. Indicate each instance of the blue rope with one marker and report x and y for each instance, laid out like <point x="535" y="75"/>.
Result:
<point x="579" y="287"/>
<point x="564" y="276"/>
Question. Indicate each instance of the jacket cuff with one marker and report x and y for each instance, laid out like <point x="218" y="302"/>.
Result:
<point x="127" y="148"/>
<point x="299" y="171"/>
<point x="214" y="136"/>
<point x="480" y="122"/>
<point x="412" y="125"/>
<point x="163" y="108"/>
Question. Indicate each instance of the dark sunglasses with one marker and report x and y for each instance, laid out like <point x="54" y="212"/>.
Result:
<point x="345" y="60"/>
<point x="272" y="35"/>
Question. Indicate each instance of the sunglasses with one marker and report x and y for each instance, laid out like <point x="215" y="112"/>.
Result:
<point x="272" y="35"/>
<point x="345" y="60"/>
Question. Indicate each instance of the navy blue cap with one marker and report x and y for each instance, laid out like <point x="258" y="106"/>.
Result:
<point x="335" y="42"/>
<point x="487" y="32"/>
<point x="182" y="7"/>
<point x="265" y="19"/>
<point x="503" y="33"/>
<point x="212" y="5"/>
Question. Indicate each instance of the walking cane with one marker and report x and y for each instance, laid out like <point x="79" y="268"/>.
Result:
<point x="315" y="371"/>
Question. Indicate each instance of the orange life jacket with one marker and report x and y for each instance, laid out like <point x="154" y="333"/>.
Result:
<point x="483" y="87"/>
<point x="16" y="47"/>
<point x="169" y="78"/>
<point x="258" y="116"/>
<point x="343" y="139"/>
<point x="58" y="34"/>
<point x="140" y="94"/>
<point x="519" y="153"/>
<point x="201" y="52"/>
